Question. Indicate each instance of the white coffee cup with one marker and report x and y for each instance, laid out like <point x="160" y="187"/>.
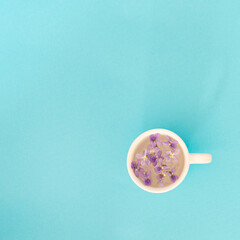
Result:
<point x="193" y="158"/>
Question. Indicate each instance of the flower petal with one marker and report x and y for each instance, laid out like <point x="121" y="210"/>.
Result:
<point x="136" y="173"/>
<point x="154" y="144"/>
<point x="165" y="167"/>
<point x="133" y="165"/>
<point x="139" y="156"/>
<point x="147" y="161"/>
<point x="152" y="158"/>
<point x="154" y="163"/>
<point x="159" y="177"/>
<point x="143" y="175"/>
<point x="169" y="139"/>
<point x="174" y="159"/>
<point x="156" y="149"/>
<point x="145" y="152"/>
<point x="160" y="160"/>
<point x="159" y="143"/>
<point x="173" y="145"/>
<point x="177" y="152"/>
<point x="167" y="159"/>
<point x="173" y="169"/>
<point x="143" y="162"/>
<point x="157" y="169"/>
<point x="174" y="178"/>
<point x="148" y="181"/>
<point x="153" y="137"/>
<point x="157" y="135"/>
<point x="172" y="149"/>
<point x="167" y="154"/>
<point x="168" y="173"/>
<point x="159" y="153"/>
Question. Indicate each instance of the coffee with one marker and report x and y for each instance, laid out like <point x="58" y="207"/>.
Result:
<point x="158" y="161"/>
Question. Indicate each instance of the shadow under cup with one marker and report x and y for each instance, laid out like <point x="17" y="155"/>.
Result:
<point x="168" y="171"/>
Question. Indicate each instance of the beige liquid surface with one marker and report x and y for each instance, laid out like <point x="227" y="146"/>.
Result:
<point x="166" y="179"/>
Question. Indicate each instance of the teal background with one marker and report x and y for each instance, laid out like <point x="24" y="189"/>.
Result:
<point x="80" y="80"/>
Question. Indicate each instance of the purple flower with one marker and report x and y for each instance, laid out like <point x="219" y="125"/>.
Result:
<point x="148" y="181"/>
<point x="160" y="179"/>
<point x="134" y="165"/>
<point x="145" y="162"/>
<point x="171" y="143"/>
<point x="138" y="171"/>
<point x="173" y="177"/>
<point x="144" y="158"/>
<point x="153" y="159"/>
<point x="145" y="175"/>
<point x="152" y="149"/>
<point x="158" y="168"/>
<point x="154" y="137"/>
<point x="171" y="155"/>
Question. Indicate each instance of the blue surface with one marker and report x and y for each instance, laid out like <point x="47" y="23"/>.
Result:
<point x="79" y="80"/>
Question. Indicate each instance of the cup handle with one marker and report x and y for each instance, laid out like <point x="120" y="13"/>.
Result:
<point x="199" y="158"/>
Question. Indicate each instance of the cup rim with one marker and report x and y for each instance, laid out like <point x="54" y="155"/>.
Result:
<point x="131" y="155"/>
